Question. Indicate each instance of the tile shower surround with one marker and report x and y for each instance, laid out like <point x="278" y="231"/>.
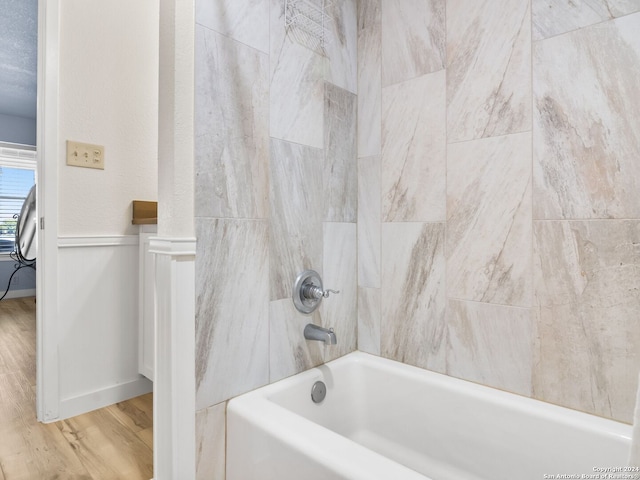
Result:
<point x="276" y="186"/>
<point x="481" y="170"/>
<point x="530" y="171"/>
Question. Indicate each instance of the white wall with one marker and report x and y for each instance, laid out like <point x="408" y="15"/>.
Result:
<point x="176" y="113"/>
<point x="17" y="129"/>
<point x="109" y="96"/>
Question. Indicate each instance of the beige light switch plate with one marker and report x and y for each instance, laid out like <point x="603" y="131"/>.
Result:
<point x="85" y="155"/>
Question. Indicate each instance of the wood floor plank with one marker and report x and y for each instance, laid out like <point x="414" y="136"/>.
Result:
<point x="28" y="449"/>
<point x="41" y="453"/>
<point x="105" y="446"/>
<point x="16" y="397"/>
<point x="146" y="436"/>
<point x="134" y="413"/>
<point x="17" y="337"/>
<point x="24" y="363"/>
<point x="108" y="444"/>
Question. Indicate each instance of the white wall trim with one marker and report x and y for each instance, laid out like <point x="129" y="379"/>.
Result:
<point x="70" y="407"/>
<point x="174" y="413"/>
<point x="146" y="306"/>
<point x="27" y="292"/>
<point x="98" y="241"/>
<point x="173" y="246"/>
<point x="48" y="150"/>
<point x="5" y="257"/>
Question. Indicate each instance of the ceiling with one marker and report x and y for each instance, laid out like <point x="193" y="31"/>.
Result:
<point x="18" y="57"/>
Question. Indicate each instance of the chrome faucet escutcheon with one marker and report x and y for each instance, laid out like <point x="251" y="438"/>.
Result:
<point x="308" y="292"/>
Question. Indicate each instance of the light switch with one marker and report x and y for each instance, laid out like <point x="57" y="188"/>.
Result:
<point x="85" y="155"/>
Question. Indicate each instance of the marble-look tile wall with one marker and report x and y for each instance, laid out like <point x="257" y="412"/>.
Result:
<point x="498" y="193"/>
<point x="276" y="193"/>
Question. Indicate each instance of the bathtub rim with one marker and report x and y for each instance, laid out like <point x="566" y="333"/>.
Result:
<point x="563" y="415"/>
<point x="313" y="440"/>
<point x="305" y="436"/>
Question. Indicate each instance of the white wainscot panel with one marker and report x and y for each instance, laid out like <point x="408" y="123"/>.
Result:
<point x="98" y="322"/>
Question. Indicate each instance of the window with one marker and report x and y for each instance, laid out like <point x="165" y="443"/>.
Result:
<point x="17" y="176"/>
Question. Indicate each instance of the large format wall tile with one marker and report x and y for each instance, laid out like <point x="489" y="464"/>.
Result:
<point x="413" y="326"/>
<point x="289" y="352"/>
<point x="340" y="272"/>
<point x="488" y="68"/>
<point x="342" y="48"/>
<point x="340" y="169"/>
<point x="586" y="122"/>
<point x="553" y="17"/>
<point x="369" y="13"/>
<point x="297" y="85"/>
<point x="490" y="344"/>
<point x="413" y="38"/>
<point x="489" y="220"/>
<point x="369" y="78"/>
<point x="242" y="20"/>
<point x="231" y="128"/>
<point x="587" y="293"/>
<point x="211" y="442"/>
<point x="369" y="320"/>
<point x="296" y="214"/>
<point x="414" y="150"/>
<point x="369" y="209"/>
<point x="232" y="333"/>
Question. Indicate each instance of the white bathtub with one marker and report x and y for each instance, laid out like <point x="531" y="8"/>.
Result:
<point x="386" y="420"/>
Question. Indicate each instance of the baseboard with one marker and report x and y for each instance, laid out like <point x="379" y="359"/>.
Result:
<point x="27" y="292"/>
<point x="70" y="407"/>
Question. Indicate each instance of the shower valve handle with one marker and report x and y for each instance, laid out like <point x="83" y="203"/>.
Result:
<point x="311" y="291"/>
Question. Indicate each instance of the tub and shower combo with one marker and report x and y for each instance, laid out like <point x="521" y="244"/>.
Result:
<point x="362" y="417"/>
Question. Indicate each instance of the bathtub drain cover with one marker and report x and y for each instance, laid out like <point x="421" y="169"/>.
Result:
<point x="318" y="392"/>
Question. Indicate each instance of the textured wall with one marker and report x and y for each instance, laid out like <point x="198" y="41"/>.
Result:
<point x="499" y="210"/>
<point x="104" y="73"/>
<point x="276" y="193"/>
<point x="108" y="98"/>
<point x="176" y="105"/>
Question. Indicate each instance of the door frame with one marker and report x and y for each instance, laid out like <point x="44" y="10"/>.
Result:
<point x="47" y="146"/>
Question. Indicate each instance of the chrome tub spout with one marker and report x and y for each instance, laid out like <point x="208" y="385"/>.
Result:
<point x="314" y="332"/>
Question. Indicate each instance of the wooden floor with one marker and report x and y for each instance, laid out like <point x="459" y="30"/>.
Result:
<point x="111" y="443"/>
